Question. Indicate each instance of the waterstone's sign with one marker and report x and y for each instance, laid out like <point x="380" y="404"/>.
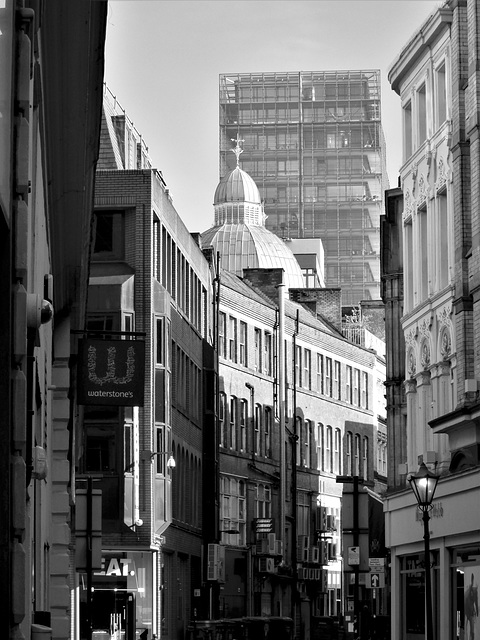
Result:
<point x="111" y="372"/>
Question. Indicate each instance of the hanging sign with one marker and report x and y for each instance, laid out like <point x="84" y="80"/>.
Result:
<point x="111" y="372"/>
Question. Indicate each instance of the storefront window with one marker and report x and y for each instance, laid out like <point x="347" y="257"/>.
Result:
<point x="413" y="579"/>
<point x="466" y="581"/>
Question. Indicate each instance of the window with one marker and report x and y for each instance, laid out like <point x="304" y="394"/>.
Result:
<point x="267" y="430"/>
<point x="328" y="451"/>
<point x="348" y="454"/>
<point x="257" y="428"/>
<point x="337" y="452"/>
<point x="268" y="354"/>
<point x="232" y="339"/>
<point x="233" y="418"/>
<point x="243" y="424"/>
<point x="422" y="114"/>
<point x="242" y="344"/>
<point x="298" y="366"/>
<point x="365" y="457"/>
<point x="356" y="456"/>
<point x="328" y="377"/>
<point x="263" y="501"/>
<point x="307" y="369"/>
<point x="407" y="130"/>
<point x="221" y="335"/>
<point x="222" y="402"/>
<point x="160" y="342"/>
<point x="356" y="387"/>
<point x="298" y="442"/>
<point x="336" y="380"/>
<point x="319" y="373"/>
<point x="307" y="437"/>
<point x="303" y="514"/>
<point x="441" y="95"/>
<point x="232" y="510"/>
<point x="109" y="236"/>
<point x="319" y="446"/>
<point x="364" y="390"/>
<point x="257" y="337"/>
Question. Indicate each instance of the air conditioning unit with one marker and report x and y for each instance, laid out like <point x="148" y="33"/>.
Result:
<point x="266" y="565"/>
<point x="321" y="519"/>
<point x="331" y="523"/>
<point x="271" y="544"/>
<point x="315" y="555"/>
<point x="332" y="551"/>
<point x="261" y="546"/>
<point x="323" y="552"/>
<point x="278" y="548"/>
<point x="323" y="581"/>
<point x="318" y="573"/>
<point x="303" y="548"/>
<point x="216" y="562"/>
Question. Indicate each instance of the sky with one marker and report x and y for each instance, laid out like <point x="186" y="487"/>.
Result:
<point x="163" y="59"/>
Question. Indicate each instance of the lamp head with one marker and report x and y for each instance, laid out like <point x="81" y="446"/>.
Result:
<point x="424" y="484"/>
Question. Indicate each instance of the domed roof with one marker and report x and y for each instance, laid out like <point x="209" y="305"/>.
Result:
<point x="237" y="186"/>
<point x="245" y="246"/>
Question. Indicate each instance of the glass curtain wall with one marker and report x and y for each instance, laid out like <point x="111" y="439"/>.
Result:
<point x="314" y="145"/>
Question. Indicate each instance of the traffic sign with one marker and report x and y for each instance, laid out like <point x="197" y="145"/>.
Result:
<point x="353" y="556"/>
<point x="377" y="580"/>
<point x="377" y="565"/>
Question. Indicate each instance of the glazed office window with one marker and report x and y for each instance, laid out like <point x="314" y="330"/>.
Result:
<point x="267" y="359"/>
<point x="242" y="344"/>
<point x="299" y="441"/>
<point x="103" y="323"/>
<point x="156" y="250"/>
<point x="160" y="345"/>
<point x="307" y="369"/>
<point x="109" y="243"/>
<point x="304" y="511"/>
<point x="307" y="444"/>
<point x="222" y="320"/>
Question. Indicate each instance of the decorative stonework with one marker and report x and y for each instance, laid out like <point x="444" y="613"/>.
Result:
<point x="422" y="192"/>
<point x="441" y="175"/>
<point x="411" y="363"/>
<point x="425" y="353"/>
<point x="411" y="337"/>
<point x="410" y="386"/>
<point x="408" y="206"/>
<point x="444" y="314"/>
<point x="445" y="343"/>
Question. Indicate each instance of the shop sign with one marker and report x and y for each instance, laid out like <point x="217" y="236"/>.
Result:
<point x="116" y="567"/>
<point x="435" y="512"/>
<point x="111" y="372"/>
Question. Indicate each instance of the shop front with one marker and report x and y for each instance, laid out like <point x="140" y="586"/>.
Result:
<point x="454" y="561"/>
<point x="122" y="602"/>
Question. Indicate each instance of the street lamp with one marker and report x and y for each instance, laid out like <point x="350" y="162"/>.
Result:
<point x="149" y="455"/>
<point x="423" y="486"/>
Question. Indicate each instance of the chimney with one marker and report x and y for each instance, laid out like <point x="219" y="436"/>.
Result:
<point x="323" y="302"/>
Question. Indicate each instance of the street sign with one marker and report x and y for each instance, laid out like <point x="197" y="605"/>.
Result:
<point x="353" y="555"/>
<point x="377" y="565"/>
<point x="377" y="580"/>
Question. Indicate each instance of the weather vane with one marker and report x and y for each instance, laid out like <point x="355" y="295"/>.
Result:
<point x="238" y="149"/>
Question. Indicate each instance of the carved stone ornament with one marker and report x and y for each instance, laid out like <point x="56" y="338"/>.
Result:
<point x="445" y="343"/>
<point x="443" y="316"/>
<point x="422" y="192"/>
<point x="441" y="175"/>
<point x="424" y="327"/>
<point x="411" y="337"/>
<point x="411" y="363"/>
<point x="407" y="206"/>
<point x="425" y="354"/>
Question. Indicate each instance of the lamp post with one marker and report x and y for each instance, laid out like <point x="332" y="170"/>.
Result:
<point x="423" y="485"/>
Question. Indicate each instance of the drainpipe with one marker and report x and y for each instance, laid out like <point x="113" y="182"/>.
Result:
<point x="281" y="406"/>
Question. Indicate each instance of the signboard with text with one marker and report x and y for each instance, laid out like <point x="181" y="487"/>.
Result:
<point x="111" y="372"/>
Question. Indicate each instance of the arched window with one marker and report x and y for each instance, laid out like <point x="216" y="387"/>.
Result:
<point x="319" y="445"/>
<point x="365" y="457"/>
<point x="222" y="402"/>
<point x="348" y="454"/>
<point x="267" y="451"/>
<point x="356" y="456"/>
<point x="329" y="451"/>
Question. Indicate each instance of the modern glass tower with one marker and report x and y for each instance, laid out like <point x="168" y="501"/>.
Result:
<point x="314" y="145"/>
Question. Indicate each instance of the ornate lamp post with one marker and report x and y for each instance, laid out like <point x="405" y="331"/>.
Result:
<point x="423" y="486"/>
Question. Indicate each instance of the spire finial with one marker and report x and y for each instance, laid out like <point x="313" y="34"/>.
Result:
<point x="237" y="150"/>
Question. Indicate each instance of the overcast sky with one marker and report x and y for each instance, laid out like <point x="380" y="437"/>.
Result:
<point x="163" y="59"/>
